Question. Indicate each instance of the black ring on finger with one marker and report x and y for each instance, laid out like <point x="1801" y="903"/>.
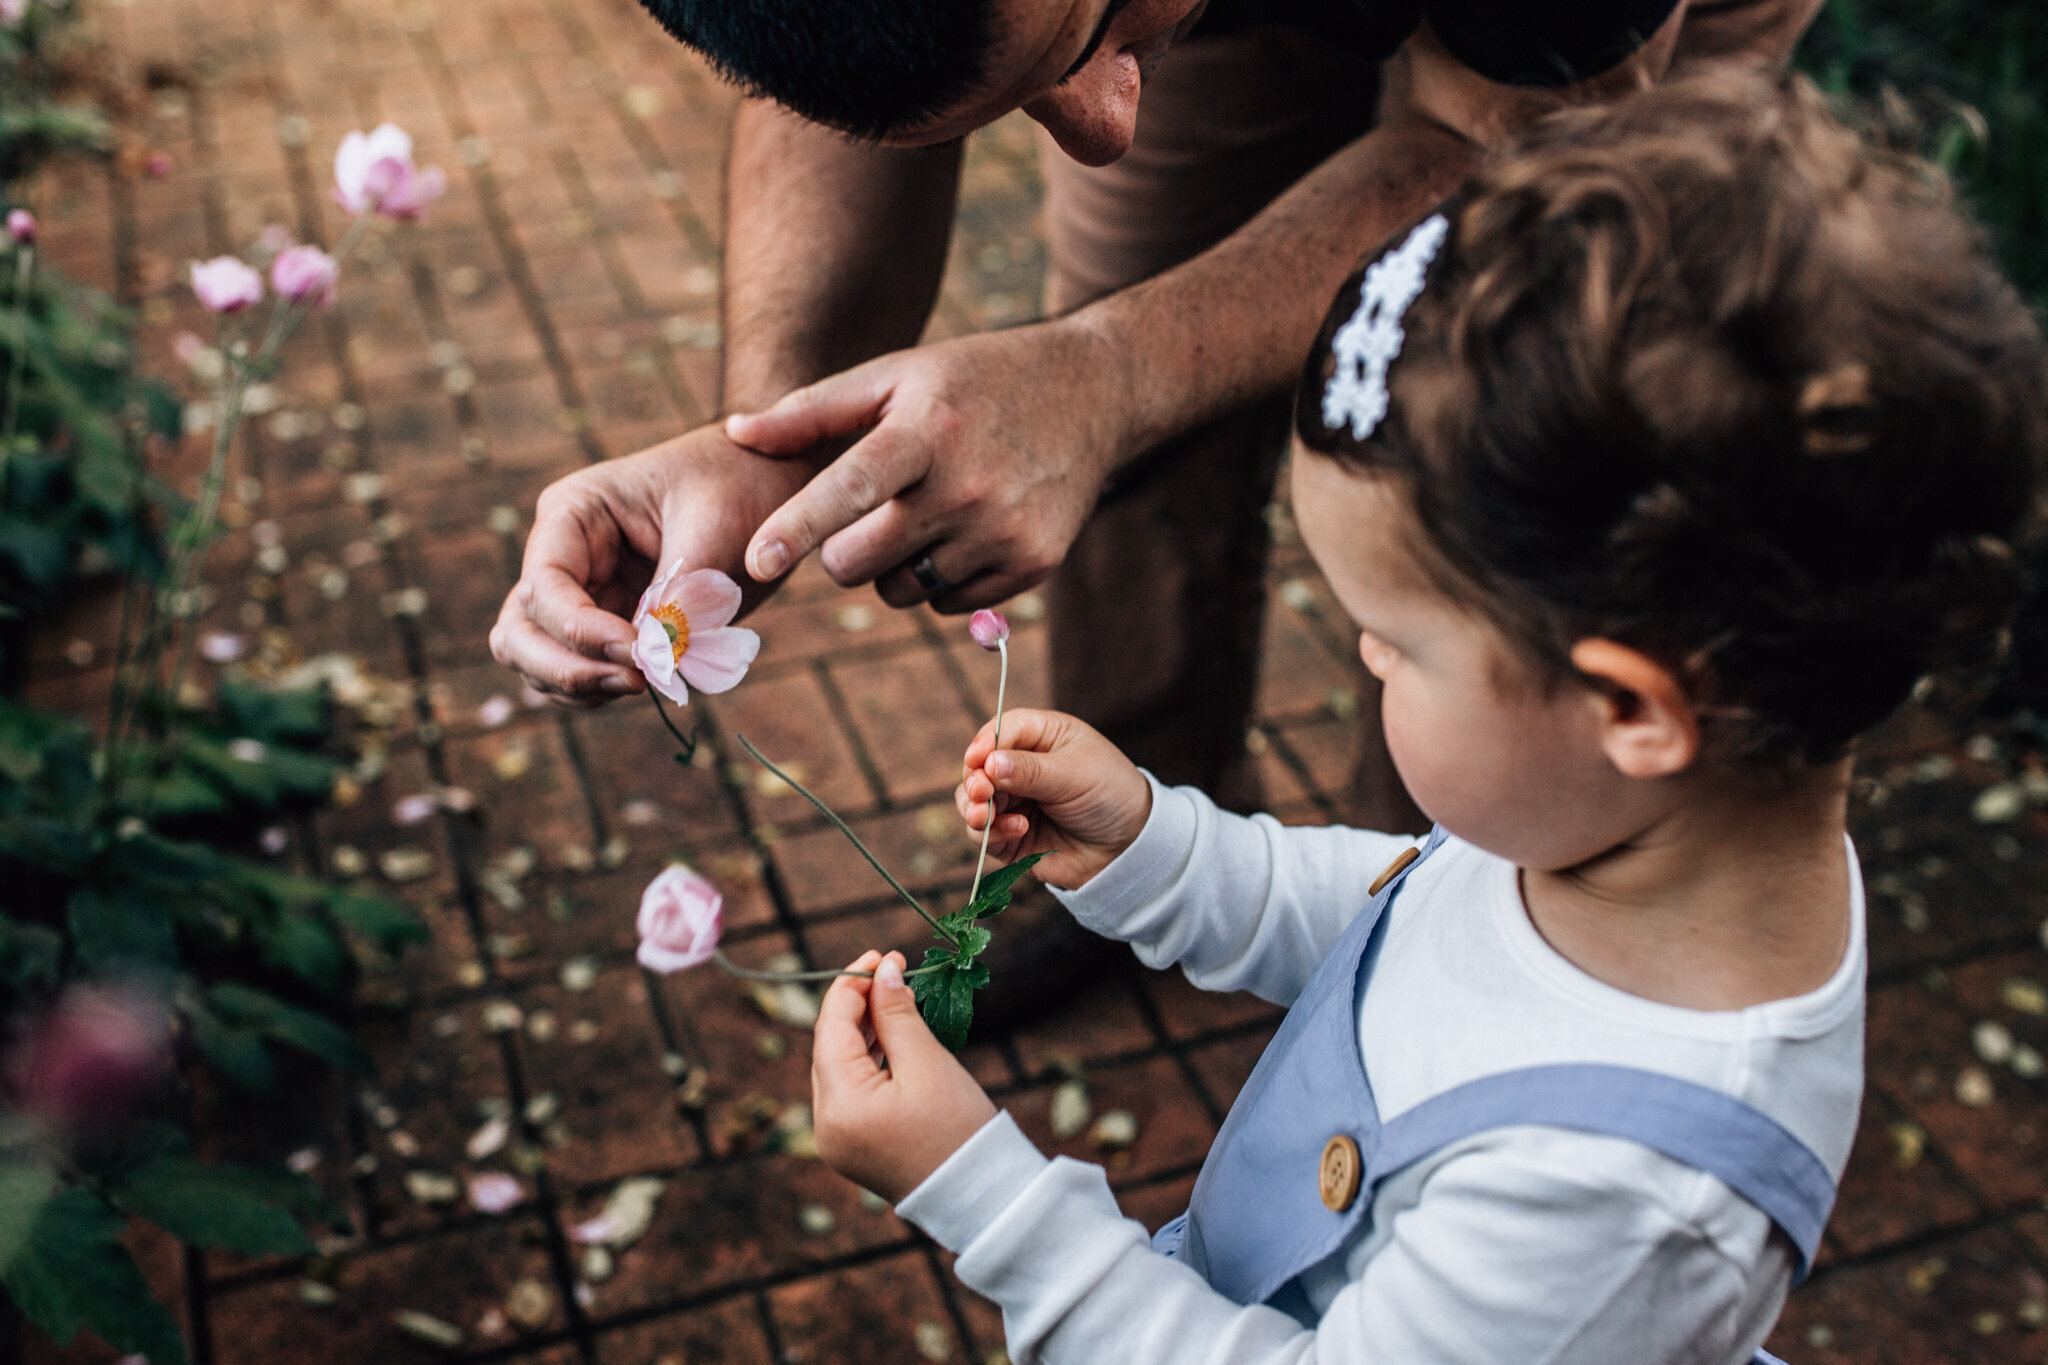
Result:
<point x="927" y="575"/>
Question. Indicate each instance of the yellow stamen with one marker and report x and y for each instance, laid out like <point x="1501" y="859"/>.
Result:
<point x="676" y="624"/>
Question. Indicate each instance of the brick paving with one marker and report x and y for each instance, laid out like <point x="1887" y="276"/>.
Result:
<point x="560" y="307"/>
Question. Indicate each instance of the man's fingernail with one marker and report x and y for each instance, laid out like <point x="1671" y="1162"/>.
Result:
<point x="770" y="560"/>
<point x="889" y="973"/>
<point x="619" y="652"/>
<point x="620" y="683"/>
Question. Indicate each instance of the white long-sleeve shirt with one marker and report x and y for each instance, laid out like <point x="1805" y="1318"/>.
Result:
<point x="1520" y="1246"/>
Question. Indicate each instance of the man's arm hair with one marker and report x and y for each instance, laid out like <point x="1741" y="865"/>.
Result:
<point x="833" y="250"/>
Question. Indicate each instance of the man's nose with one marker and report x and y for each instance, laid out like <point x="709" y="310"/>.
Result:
<point x="1093" y="115"/>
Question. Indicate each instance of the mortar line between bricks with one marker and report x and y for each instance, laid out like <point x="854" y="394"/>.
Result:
<point x="2000" y="1219"/>
<point x="963" y="686"/>
<point x="949" y="1296"/>
<point x="765" y="1313"/>
<point x="652" y="159"/>
<point x="1294" y="763"/>
<point x="835" y="705"/>
<point x="1127" y="973"/>
<point x="518" y="270"/>
<point x="577" y="184"/>
<point x="466" y="885"/>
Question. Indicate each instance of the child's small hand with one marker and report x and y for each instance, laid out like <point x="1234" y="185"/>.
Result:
<point x="888" y="1102"/>
<point x="1060" y="788"/>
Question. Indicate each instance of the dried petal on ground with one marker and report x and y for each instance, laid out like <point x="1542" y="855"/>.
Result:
<point x="1974" y="1089"/>
<point x="1998" y="804"/>
<point x="2024" y="996"/>
<point x="494" y="1192"/>
<point x="627" y="1214"/>
<point x="1115" y="1130"/>
<point x="1992" y="1042"/>
<point x="431" y="1188"/>
<point x="1070" y="1109"/>
<point x="816" y="1220"/>
<point x="579" y="974"/>
<point x="501" y="1016"/>
<point x="530" y="1306"/>
<point x="428" y="1329"/>
<point x="406" y="863"/>
<point x="598" y="1265"/>
<point x="1909" y="1144"/>
<point x="934" y="1341"/>
<point x="489" y="1140"/>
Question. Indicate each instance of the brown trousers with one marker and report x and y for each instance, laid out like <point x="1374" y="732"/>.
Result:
<point x="1157" y="611"/>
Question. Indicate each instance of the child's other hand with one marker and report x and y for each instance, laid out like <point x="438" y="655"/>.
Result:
<point x="1060" y="789"/>
<point x="888" y="1102"/>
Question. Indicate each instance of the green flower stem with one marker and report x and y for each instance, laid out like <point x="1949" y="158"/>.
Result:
<point x="24" y="272"/>
<point x="749" y="974"/>
<point x="853" y="838"/>
<point x="689" y="742"/>
<point x="1002" y="682"/>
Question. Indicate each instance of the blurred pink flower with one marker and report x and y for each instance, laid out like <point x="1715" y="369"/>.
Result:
<point x="988" y="628"/>
<point x="226" y="284"/>
<point x="273" y="840"/>
<point x="12" y="12"/>
<point x="274" y="239"/>
<point x="100" y="1056"/>
<point x="494" y="712"/>
<point x="304" y="273"/>
<point x="21" y="224"/>
<point x="158" y="165"/>
<point x="373" y="172"/>
<point x="495" y="1192"/>
<point x="684" y="637"/>
<point x="680" y="918"/>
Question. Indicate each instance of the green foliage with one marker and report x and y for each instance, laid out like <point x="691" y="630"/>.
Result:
<point x="948" y="978"/>
<point x="74" y="496"/>
<point x="73" y="1272"/>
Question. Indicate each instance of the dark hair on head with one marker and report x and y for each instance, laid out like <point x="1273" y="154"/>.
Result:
<point x="863" y="68"/>
<point x="1704" y="374"/>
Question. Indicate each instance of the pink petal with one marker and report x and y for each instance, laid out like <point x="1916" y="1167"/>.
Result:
<point x="707" y="598"/>
<point x="656" y="958"/>
<point x="718" y="659"/>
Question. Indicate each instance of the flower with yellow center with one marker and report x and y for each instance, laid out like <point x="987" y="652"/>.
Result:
<point x="684" y="639"/>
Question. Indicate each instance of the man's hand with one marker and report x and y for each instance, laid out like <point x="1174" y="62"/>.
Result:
<point x="888" y="1102"/>
<point x="1056" y="787"/>
<point x="599" y="534"/>
<point x="986" y="452"/>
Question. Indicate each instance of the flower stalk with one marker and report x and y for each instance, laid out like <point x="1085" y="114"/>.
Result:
<point x="24" y="275"/>
<point x="852" y="838"/>
<point x="1002" y="683"/>
<point x="752" y="974"/>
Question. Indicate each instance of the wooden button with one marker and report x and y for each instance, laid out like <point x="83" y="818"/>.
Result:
<point x="1337" y="1180"/>
<point x="1394" y="869"/>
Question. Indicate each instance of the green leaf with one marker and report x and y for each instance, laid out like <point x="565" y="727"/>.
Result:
<point x="971" y="942"/>
<point x="120" y="925"/>
<point x="385" y="923"/>
<point x="30" y="956"/>
<point x="288" y="1024"/>
<point x="237" y="1053"/>
<point x="211" y="1206"/>
<point x="946" y="996"/>
<point x="306" y="947"/>
<point x="73" y="1272"/>
<point x="997" y="888"/>
<point x="23" y="1192"/>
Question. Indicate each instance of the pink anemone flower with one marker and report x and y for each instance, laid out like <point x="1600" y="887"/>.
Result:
<point x="684" y="635"/>
<point x="373" y="171"/>
<point x="681" y="916"/>
<point x="226" y="284"/>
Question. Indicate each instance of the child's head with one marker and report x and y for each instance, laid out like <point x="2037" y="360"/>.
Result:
<point x="1700" y="384"/>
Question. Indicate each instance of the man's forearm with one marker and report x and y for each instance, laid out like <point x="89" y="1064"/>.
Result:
<point x="1233" y="324"/>
<point x="833" y="250"/>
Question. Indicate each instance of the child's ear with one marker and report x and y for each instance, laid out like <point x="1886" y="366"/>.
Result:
<point x="1649" y="727"/>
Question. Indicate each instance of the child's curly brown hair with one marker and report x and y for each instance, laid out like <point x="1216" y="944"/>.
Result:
<point x="1704" y="374"/>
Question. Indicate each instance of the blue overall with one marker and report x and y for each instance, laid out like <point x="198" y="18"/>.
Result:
<point x="1257" y="1218"/>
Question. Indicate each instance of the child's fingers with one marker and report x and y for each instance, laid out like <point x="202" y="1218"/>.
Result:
<point x="1048" y="779"/>
<point x="840" y="1044"/>
<point x="899" y="1028"/>
<point x="1023" y="729"/>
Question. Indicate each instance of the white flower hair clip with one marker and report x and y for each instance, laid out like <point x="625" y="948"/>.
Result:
<point x="1365" y="347"/>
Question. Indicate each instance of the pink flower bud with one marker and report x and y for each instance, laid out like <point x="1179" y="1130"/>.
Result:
<point x="680" y="920"/>
<point x="21" y="226"/>
<point x="988" y="629"/>
<point x="226" y="284"/>
<point x="303" y="273"/>
<point x="101" y="1055"/>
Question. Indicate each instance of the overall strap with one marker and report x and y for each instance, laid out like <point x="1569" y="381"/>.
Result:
<point x="1741" y="1146"/>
